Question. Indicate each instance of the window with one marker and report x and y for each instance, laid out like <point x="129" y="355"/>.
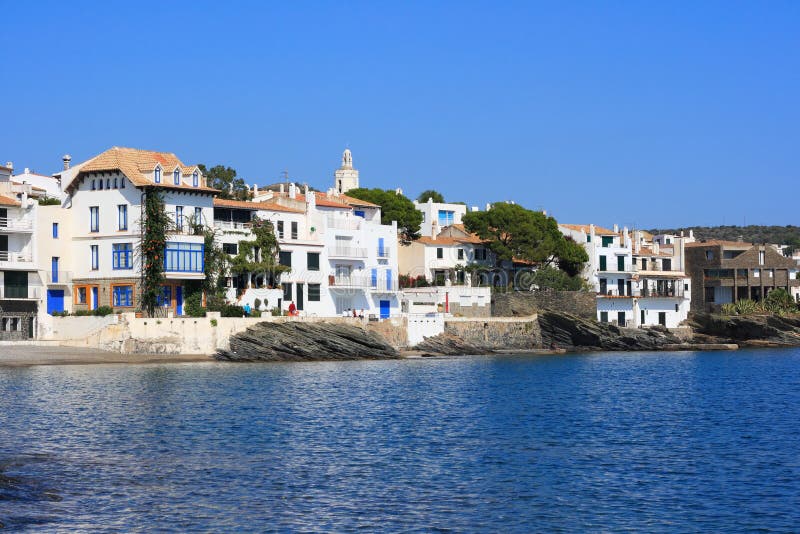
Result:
<point x="95" y="257"/>
<point x="122" y="183"/>
<point x="709" y="293"/>
<point x="122" y="296"/>
<point x="756" y="273"/>
<point x="55" y="230"/>
<point x="165" y="297"/>
<point x="157" y="175"/>
<point x="54" y="269"/>
<point x="100" y="184"/>
<point x="439" y="253"/>
<point x="122" y="216"/>
<point x="280" y="229"/>
<point x="179" y="218"/>
<point x="94" y="218"/>
<point x="603" y="265"/>
<point x="294" y="229"/>
<point x="122" y="256"/>
<point x="741" y="272"/>
<point x="761" y="257"/>
<point x="313" y="292"/>
<point x="195" y="179"/>
<point x="116" y="183"/>
<point x="285" y="258"/>
<point x="771" y="273"/>
<point x="94" y="185"/>
<point x="108" y="183"/>
<point x="184" y="257"/>
<point x="230" y="248"/>
<point x="709" y="254"/>
<point x="312" y="261"/>
<point x="603" y="317"/>
<point x="176" y="177"/>
<point x="287" y="292"/>
<point x="461" y="254"/>
<point x="620" y="263"/>
<point x="80" y="294"/>
<point x="480" y="254"/>
<point x="198" y="215"/>
<point x="16" y="284"/>
<point x="588" y="238"/>
<point x="358" y="213"/>
<point x="607" y="240"/>
<point x="446" y="217"/>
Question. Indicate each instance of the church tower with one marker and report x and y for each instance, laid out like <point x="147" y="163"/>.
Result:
<point x="345" y="177"/>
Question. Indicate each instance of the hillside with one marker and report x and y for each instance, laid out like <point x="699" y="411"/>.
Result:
<point x="781" y="235"/>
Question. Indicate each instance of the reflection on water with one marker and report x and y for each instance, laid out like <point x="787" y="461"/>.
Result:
<point x="654" y="442"/>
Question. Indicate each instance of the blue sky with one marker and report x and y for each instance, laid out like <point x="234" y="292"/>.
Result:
<point x="641" y="113"/>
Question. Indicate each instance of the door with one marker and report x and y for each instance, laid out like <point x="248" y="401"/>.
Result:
<point x="603" y="263"/>
<point x="4" y="219"/>
<point x="55" y="300"/>
<point x="642" y="315"/>
<point x="620" y="263"/>
<point x="380" y="247"/>
<point x="621" y="287"/>
<point x="662" y="318"/>
<point x="621" y="318"/>
<point x="299" y="302"/>
<point x="178" y="300"/>
<point x="385" y="306"/>
<point x="603" y="286"/>
<point x="94" y="298"/>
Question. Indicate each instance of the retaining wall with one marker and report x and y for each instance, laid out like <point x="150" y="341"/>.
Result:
<point x="524" y="303"/>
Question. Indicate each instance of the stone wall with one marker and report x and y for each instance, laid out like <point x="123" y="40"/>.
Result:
<point x="499" y="333"/>
<point x="17" y="320"/>
<point x="524" y="303"/>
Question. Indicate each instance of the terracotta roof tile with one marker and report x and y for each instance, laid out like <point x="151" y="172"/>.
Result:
<point x="254" y="206"/>
<point x="138" y="166"/>
<point x="598" y="230"/>
<point x="6" y="201"/>
<point x="718" y="242"/>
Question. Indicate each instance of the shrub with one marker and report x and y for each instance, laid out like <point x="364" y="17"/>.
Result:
<point x="729" y="308"/>
<point x="83" y="313"/>
<point x="779" y="301"/>
<point x="255" y="313"/>
<point x="103" y="310"/>
<point x="213" y="322"/>
<point x="60" y="314"/>
<point x="276" y="312"/>
<point x="232" y="311"/>
<point x="257" y="304"/>
<point x="49" y="201"/>
<point x="193" y="305"/>
<point x="746" y="307"/>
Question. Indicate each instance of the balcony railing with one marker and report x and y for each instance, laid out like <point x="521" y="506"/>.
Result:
<point x="232" y="225"/>
<point x="345" y="223"/>
<point x="13" y="224"/>
<point x="383" y="253"/>
<point x="676" y="292"/>
<point x="363" y="282"/>
<point x="11" y="292"/>
<point x="15" y="257"/>
<point x="347" y="252"/>
<point x="58" y="277"/>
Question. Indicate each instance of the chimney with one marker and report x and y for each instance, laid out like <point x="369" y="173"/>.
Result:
<point x="616" y="228"/>
<point x="691" y="233"/>
<point x="637" y="241"/>
<point x="305" y="189"/>
<point x="10" y="165"/>
<point x="280" y="188"/>
<point x="27" y="170"/>
<point x="255" y="190"/>
<point x="292" y="190"/>
<point x="740" y="239"/>
<point x="66" y="159"/>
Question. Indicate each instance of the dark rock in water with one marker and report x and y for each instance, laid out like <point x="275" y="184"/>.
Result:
<point x="449" y="345"/>
<point x="302" y="341"/>
<point x="750" y="329"/>
<point x="566" y="331"/>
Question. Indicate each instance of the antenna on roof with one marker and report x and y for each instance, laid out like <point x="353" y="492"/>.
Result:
<point x="285" y="175"/>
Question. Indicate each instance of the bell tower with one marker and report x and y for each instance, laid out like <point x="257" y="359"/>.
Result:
<point x="345" y="177"/>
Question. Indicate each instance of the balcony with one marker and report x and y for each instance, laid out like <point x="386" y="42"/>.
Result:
<point x="383" y="253"/>
<point x="232" y="225"/>
<point x="58" y="277"/>
<point x="16" y="259"/>
<point x="345" y="223"/>
<point x="20" y="292"/>
<point x="347" y="252"/>
<point x="363" y="282"/>
<point x="663" y="292"/>
<point x="16" y="224"/>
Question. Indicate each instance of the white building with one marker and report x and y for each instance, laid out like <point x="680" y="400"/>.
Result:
<point x="105" y="197"/>
<point x="437" y="215"/>
<point x="639" y="281"/>
<point x="20" y="284"/>
<point x="41" y="185"/>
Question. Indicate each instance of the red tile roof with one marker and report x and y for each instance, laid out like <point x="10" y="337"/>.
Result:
<point x="6" y="201"/>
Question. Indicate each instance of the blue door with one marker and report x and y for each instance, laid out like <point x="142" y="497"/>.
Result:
<point x="94" y="298"/>
<point x="385" y="305"/>
<point x="55" y="300"/>
<point x="179" y="300"/>
<point x="381" y="252"/>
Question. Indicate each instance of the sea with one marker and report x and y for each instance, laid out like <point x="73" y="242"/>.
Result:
<point x="611" y="442"/>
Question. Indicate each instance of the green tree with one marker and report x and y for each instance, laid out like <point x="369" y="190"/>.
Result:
<point x="259" y="255"/>
<point x="512" y="231"/>
<point x="154" y="242"/>
<point x="224" y="179"/>
<point x="394" y="207"/>
<point x="430" y="193"/>
<point x="551" y="278"/>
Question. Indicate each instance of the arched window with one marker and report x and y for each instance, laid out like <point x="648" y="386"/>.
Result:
<point x="158" y="175"/>
<point x="176" y="177"/>
<point x="195" y="179"/>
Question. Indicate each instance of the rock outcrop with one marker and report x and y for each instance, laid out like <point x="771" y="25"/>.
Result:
<point x="565" y="331"/>
<point x="450" y="345"/>
<point x="752" y="330"/>
<point x="302" y="341"/>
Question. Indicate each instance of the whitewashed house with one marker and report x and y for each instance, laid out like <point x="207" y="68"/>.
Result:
<point x="638" y="281"/>
<point x="105" y="197"/>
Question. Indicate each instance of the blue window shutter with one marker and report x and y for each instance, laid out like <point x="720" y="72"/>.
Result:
<point x="380" y="247"/>
<point x="374" y="277"/>
<point x="388" y="279"/>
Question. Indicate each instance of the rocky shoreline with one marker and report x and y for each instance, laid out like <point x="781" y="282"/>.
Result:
<point x="555" y="332"/>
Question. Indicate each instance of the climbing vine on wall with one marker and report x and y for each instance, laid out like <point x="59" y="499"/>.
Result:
<point x="154" y="240"/>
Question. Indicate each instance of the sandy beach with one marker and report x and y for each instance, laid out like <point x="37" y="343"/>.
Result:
<point x="19" y="356"/>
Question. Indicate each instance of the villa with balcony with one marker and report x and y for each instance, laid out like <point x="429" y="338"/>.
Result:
<point x="105" y="200"/>
<point x="639" y="282"/>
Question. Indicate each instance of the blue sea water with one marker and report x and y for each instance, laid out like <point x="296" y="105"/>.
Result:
<point x="656" y="442"/>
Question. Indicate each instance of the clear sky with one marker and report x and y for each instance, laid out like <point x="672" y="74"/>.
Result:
<point x="641" y="113"/>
